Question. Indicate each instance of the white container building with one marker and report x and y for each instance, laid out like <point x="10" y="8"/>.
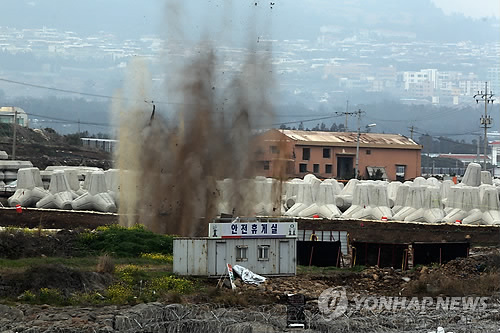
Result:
<point x="244" y="244"/>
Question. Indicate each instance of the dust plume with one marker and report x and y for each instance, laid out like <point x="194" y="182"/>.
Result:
<point x="172" y="159"/>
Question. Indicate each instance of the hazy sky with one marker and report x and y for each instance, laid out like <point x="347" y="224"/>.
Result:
<point x="472" y="8"/>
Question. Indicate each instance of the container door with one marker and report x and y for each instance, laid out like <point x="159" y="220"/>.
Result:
<point x="284" y="263"/>
<point x="220" y="258"/>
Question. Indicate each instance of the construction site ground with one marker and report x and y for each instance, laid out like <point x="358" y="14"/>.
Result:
<point x="247" y="309"/>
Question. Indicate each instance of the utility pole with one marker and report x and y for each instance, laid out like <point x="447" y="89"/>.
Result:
<point x="485" y="120"/>
<point x="358" y="114"/>
<point x="412" y="129"/>
<point x="14" y="139"/>
<point x="346" y="114"/>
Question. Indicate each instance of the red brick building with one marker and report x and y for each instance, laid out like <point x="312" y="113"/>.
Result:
<point x="291" y="153"/>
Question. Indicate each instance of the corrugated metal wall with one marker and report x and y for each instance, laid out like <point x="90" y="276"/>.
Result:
<point x="210" y="256"/>
<point x="190" y="256"/>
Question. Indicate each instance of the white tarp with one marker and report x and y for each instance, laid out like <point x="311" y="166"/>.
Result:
<point x="247" y="275"/>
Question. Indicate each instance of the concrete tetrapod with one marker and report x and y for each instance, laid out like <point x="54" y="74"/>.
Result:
<point x="359" y="199"/>
<point x="112" y="177"/>
<point x="490" y="205"/>
<point x="445" y="190"/>
<point x="292" y="191"/>
<point x="401" y="195"/>
<point x="60" y="194"/>
<point x="345" y="198"/>
<point x="392" y="191"/>
<point x="466" y="202"/>
<point x="304" y="200"/>
<point x="97" y="198"/>
<point x="432" y="210"/>
<point x="263" y="194"/>
<point x="369" y="201"/>
<point x="325" y="203"/>
<point x="486" y="178"/>
<point x="414" y="201"/>
<point x="74" y="183"/>
<point x="420" y="181"/>
<point x="379" y="202"/>
<point x="472" y="176"/>
<point x="29" y="188"/>
<point x="432" y="181"/>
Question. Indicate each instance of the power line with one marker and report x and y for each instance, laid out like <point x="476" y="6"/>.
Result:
<point x="303" y="121"/>
<point x="68" y="121"/>
<point x="68" y="91"/>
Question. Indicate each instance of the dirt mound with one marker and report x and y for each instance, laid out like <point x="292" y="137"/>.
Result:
<point x="475" y="264"/>
<point x="15" y="244"/>
<point x="52" y="276"/>
<point x="46" y="147"/>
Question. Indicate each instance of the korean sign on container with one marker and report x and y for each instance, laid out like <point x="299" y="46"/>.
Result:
<point x="253" y="230"/>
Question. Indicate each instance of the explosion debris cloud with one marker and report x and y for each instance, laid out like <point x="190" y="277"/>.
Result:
<point x="171" y="159"/>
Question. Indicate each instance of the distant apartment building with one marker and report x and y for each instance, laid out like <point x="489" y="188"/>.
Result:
<point x="8" y="113"/>
<point x="293" y="153"/>
<point x="494" y="79"/>
<point x="413" y="78"/>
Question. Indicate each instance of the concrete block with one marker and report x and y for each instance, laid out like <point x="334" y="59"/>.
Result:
<point x="29" y="188"/>
<point x="486" y="178"/>
<point x="60" y="194"/>
<point x="344" y="199"/>
<point x="472" y="176"/>
<point x="414" y="201"/>
<point x="97" y="197"/>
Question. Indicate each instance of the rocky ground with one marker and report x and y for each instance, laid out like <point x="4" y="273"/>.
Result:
<point x="192" y="318"/>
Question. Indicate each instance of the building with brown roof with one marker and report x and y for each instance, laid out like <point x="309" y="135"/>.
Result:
<point x="292" y="153"/>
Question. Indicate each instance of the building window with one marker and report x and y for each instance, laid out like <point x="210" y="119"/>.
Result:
<point x="326" y="152"/>
<point x="328" y="168"/>
<point x="306" y="154"/>
<point x="263" y="252"/>
<point x="302" y="167"/>
<point x="275" y="150"/>
<point x="241" y="253"/>
<point x="265" y="165"/>
<point x="368" y="152"/>
<point x="316" y="168"/>
<point x="400" y="170"/>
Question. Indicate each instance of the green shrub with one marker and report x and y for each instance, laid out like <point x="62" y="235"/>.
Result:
<point x="44" y="296"/>
<point x="171" y="283"/>
<point x="90" y="298"/>
<point x="125" y="242"/>
<point x="131" y="275"/>
<point x="120" y="293"/>
<point x="27" y="296"/>
<point x="50" y="296"/>
<point x="167" y="258"/>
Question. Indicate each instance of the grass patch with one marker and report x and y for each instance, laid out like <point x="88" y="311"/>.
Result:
<point x="131" y="284"/>
<point x="82" y="263"/>
<point x="125" y="242"/>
